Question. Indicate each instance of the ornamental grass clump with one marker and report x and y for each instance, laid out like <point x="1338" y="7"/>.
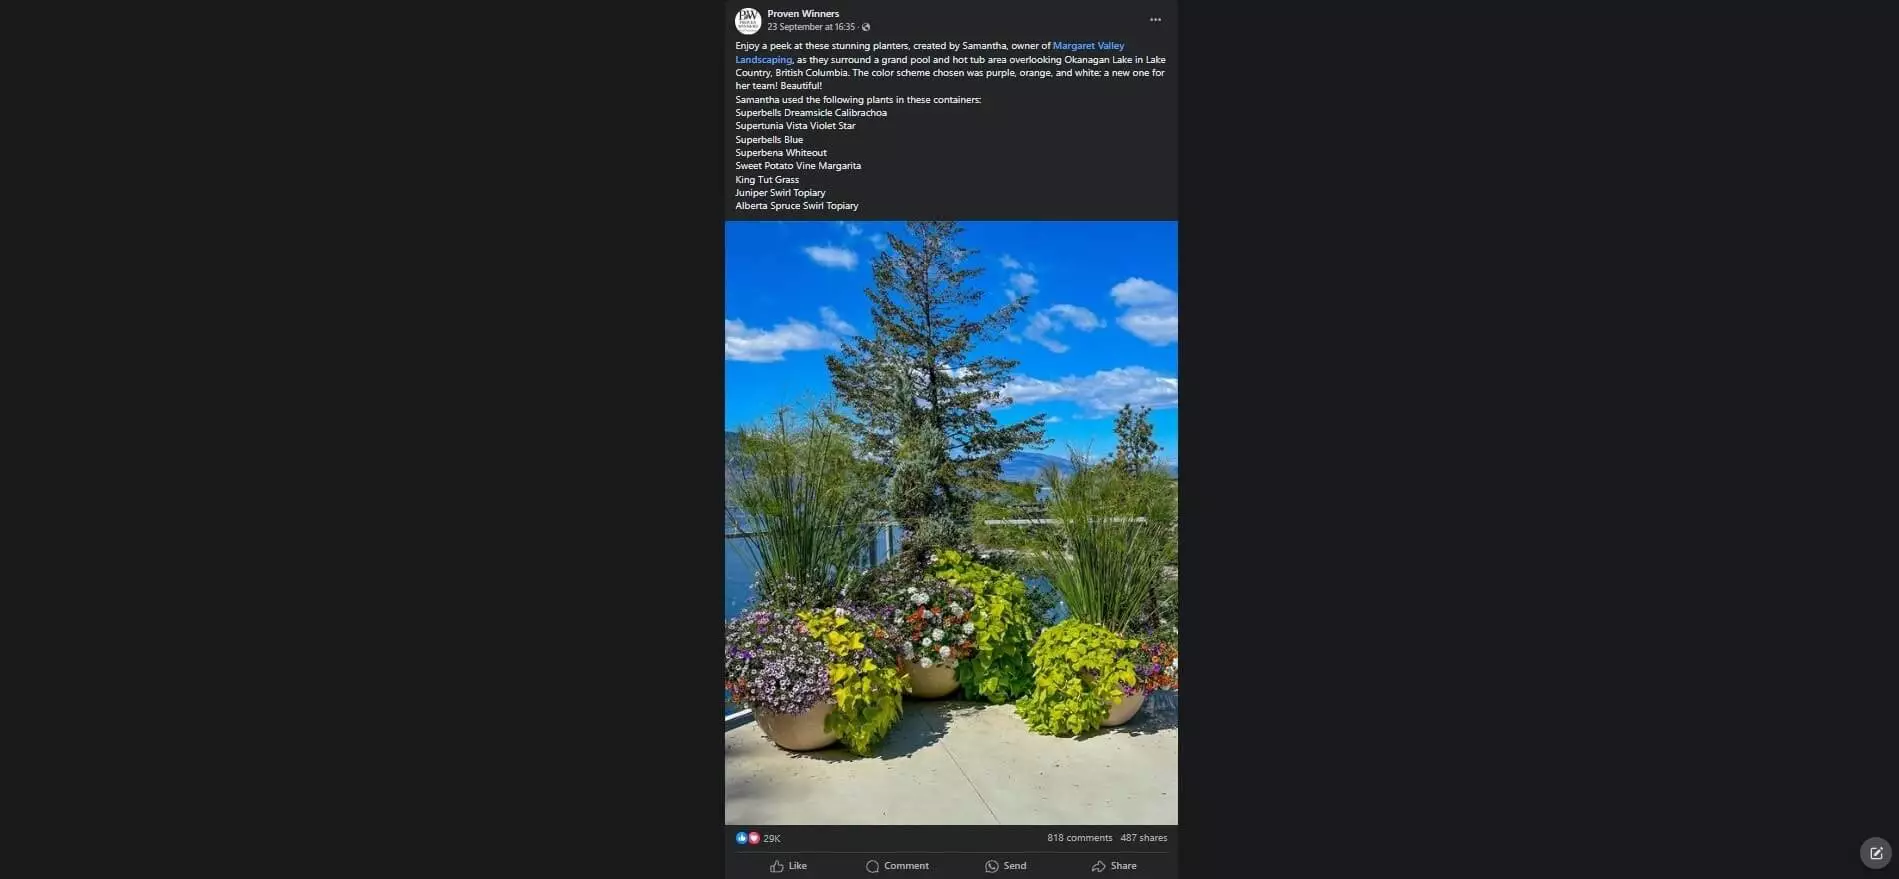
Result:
<point x="800" y="496"/>
<point x="1108" y="556"/>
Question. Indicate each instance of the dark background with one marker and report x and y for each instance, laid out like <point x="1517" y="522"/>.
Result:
<point x="959" y="850"/>
<point x="1546" y="363"/>
<point x="1094" y="148"/>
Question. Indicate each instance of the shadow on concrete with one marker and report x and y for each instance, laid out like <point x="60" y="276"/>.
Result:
<point x="922" y="725"/>
<point x="1160" y="712"/>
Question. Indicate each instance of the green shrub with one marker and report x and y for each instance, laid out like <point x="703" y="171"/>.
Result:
<point x="1000" y="669"/>
<point x="864" y="676"/>
<point x="1081" y="671"/>
<point x="799" y="493"/>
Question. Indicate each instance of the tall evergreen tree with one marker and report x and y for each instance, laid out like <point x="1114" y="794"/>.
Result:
<point x="1134" y="447"/>
<point x="918" y="395"/>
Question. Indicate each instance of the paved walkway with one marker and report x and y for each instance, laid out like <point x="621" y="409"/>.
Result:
<point x="952" y="762"/>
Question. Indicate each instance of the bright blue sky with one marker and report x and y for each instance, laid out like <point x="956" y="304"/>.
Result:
<point x="1100" y="329"/>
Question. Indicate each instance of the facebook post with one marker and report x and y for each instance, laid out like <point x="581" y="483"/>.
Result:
<point x="952" y="577"/>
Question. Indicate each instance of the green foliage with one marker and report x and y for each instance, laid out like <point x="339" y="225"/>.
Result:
<point x="1163" y="624"/>
<point x="919" y="399"/>
<point x="1017" y="492"/>
<point x="1081" y="671"/>
<point x="864" y="678"/>
<point x="1010" y="500"/>
<point x="1134" y="440"/>
<point x="1000" y="670"/>
<point x="802" y="496"/>
<point x="1112" y="544"/>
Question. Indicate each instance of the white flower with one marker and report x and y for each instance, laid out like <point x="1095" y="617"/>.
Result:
<point x="907" y="649"/>
<point x="920" y="598"/>
<point x="956" y="610"/>
<point x="925" y="662"/>
<point x="942" y="651"/>
<point x="840" y="612"/>
<point x="1175" y="665"/>
<point x="937" y="634"/>
<point x="969" y="628"/>
<point x="926" y="640"/>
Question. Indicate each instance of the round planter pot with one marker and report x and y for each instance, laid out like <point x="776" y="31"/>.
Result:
<point x="797" y="732"/>
<point x="1124" y="710"/>
<point x="934" y="682"/>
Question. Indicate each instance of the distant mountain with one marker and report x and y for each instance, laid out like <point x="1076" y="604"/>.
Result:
<point x="1028" y="466"/>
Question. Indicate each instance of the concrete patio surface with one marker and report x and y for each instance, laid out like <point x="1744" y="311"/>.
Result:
<point x="956" y="762"/>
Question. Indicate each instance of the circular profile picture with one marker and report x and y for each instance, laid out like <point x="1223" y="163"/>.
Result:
<point x="748" y="21"/>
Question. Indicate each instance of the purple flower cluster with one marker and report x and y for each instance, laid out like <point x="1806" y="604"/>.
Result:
<point x="772" y="664"/>
<point x="1155" y="667"/>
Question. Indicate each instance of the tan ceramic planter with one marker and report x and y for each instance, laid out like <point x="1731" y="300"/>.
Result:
<point x="797" y="732"/>
<point x="934" y="682"/>
<point x="1124" y="710"/>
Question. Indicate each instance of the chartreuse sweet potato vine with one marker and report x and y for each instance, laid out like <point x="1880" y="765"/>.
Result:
<point x="1081" y="671"/>
<point x="1000" y="670"/>
<point x="864" y="676"/>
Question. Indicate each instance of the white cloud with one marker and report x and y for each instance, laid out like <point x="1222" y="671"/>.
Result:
<point x="1037" y="333"/>
<point x="832" y="257"/>
<point x="1021" y="284"/>
<point x="1140" y="291"/>
<point x="758" y="345"/>
<point x="1056" y="318"/>
<point x="1103" y="393"/>
<point x="1012" y="337"/>
<point x="1082" y="318"/>
<point x="834" y="323"/>
<point x="1153" y="327"/>
<point x="877" y="240"/>
<point x="1010" y="262"/>
<point x="851" y="229"/>
<point x="1153" y="311"/>
<point x="1052" y="419"/>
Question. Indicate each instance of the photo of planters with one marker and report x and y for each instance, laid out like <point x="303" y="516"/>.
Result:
<point x="952" y="480"/>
